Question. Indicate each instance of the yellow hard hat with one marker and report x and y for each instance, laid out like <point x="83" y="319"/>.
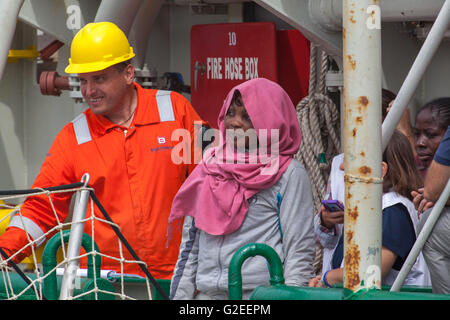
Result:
<point x="98" y="46"/>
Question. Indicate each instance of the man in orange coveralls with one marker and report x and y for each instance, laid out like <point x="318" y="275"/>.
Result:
<point x="123" y="140"/>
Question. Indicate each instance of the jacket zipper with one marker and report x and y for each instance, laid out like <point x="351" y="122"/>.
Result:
<point x="219" y="261"/>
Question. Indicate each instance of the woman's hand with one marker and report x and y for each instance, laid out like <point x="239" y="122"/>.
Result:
<point x="330" y="219"/>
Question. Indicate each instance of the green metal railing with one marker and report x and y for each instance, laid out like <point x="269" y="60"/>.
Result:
<point x="49" y="263"/>
<point x="247" y="251"/>
<point x="51" y="283"/>
<point x="279" y="291"/>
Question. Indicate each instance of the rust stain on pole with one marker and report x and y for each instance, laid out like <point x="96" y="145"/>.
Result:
<point x="352" y="259"/>
<point x="349" y="236"/>
<point x="365" y="170"/>
<point x="351" y="61"/>
<point x="363" y="101"/>
<point x="353" y="213"/>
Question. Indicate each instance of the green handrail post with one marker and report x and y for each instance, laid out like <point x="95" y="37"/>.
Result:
<point x="247" y="251"/>
<point x="49" y="262"/>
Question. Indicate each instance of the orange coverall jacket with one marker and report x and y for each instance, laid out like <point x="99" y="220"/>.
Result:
<point x="132" y="174"/>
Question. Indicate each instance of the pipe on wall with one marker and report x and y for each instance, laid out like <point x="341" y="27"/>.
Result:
<point x="120" y="12"/>
<point x="142" y="27"/>
<point x="328" y="13"/>
<point x="9" y="11"/>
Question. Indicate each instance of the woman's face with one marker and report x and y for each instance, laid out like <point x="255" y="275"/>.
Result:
<point x="427" y="136"/>
<point x="238" y="120"/>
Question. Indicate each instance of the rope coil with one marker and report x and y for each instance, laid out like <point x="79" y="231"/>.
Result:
<point x="319" y="121"/>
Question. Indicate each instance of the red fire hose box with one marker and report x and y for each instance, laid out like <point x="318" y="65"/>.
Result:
<point x="224" y="55"/>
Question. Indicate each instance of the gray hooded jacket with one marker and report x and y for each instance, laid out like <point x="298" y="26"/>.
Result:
<point x="281" y="217"/>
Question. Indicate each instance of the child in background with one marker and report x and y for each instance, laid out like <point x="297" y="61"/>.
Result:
<point x="400" y="177"/>
<point x="328" y="225"/>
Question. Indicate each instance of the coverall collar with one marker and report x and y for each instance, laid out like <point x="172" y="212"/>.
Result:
<point x="146" y="113"/>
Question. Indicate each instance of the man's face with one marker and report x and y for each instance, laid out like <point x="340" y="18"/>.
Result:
<point x="104" y="90"/>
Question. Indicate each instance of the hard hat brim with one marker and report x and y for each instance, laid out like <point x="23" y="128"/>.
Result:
<point x="95" y="66"/>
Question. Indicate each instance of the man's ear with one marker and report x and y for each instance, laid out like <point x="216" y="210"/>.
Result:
<point x="129" y="73"/>
<point x="384" y="168"/>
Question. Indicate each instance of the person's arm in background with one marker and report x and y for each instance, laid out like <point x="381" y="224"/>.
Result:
<point x="435" y="181"/>
<point x="335" y="276"/>
<point x="439" y="170"/>
<point x="328" y="225"/>
<point x="325" y="227"/>
<point x="398" y="237"/>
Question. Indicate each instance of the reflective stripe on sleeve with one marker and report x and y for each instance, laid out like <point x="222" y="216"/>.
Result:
<point x="30" y="227"/>
<point x="81" y="127"/>
<point x="165" y="108"/>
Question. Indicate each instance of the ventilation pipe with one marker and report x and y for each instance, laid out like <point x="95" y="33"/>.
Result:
<point x="9" y="11"/>
<point x="142" y="27"/>
<point x="328" y="13"/>
<point x="120" y="12"/>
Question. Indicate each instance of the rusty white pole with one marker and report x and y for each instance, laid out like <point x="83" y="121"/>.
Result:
<point x="361" y="36"/>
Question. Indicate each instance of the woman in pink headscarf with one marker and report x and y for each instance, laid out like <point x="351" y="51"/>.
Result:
<point x="247" y="189"/>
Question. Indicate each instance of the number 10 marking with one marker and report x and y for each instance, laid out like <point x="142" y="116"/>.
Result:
<point x="231" y="38"/>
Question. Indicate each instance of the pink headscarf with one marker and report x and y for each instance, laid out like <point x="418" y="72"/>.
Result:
<point x="216" y="193"/>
